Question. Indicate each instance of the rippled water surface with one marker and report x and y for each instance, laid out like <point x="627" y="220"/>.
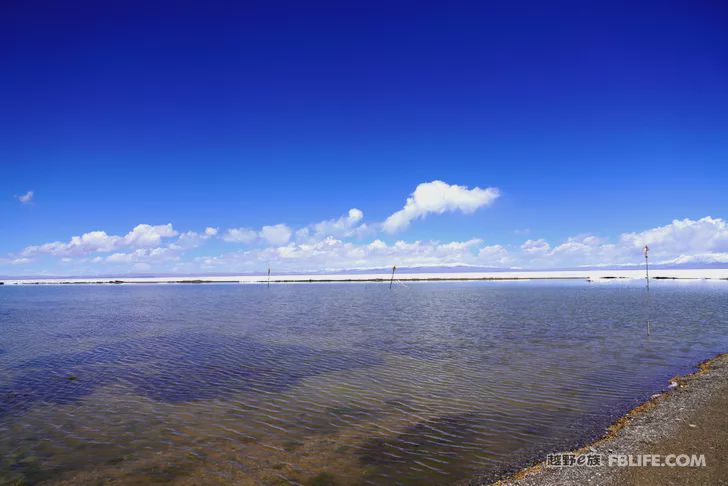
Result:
<point x="330" y="383"/>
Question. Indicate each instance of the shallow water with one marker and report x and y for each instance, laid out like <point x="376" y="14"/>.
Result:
<point x="322" y="383"/>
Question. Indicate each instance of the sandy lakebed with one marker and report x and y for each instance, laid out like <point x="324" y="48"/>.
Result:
<point x="690" y="417"/>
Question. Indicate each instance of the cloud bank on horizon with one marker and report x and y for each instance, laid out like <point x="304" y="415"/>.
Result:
<point x="348" y="242"/>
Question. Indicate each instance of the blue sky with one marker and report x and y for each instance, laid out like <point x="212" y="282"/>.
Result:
<point x="599" y="124"/>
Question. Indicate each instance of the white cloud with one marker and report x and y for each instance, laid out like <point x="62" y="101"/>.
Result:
<point x="705" y="235"/>
<point x="682" y="241"/>
<point x="494" y="255"/>
<point x="145" y="235"/>
<point x="439" y="197"/>
<point x="26" y="198"/>
<point x="328" y="245"/>
<point x="142" y="235"/>
<point x="536" y="247"/>
<point x="580" y="245"/>
<point x="90" y="242"/>
<point x="240" y="235"/>
<point x="335" y="254"/>
<point x="143" y="255"/>
<point x="277" y="234"/>
<point x="340" y="225"/>
<point x="193" y="239"/>
<point x="346" y="226"/>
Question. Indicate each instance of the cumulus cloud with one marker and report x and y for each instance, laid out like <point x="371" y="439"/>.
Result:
<point x="335" y="254"/>
<point x="143" y="235"/>
<point x="329" y="245"/>
<point x="683" y="241"/>
<point x="439" y="197"/>
<point x="494" y="255"/>
<point x="26" y="198"/>
<point x="143" y="255"/>
<point x="193" y="239"/>
<point x="582" y="245"/>
<point x="536" y="247"/>
<point x="240" y="235"/>
<point x="430" y="197"/>
<point x="346" y="226"/>
<point x="705" y="235"/>
<point x="86" y="243"/>
<point x="277" y="234"/>
<point x="340" y="225"/>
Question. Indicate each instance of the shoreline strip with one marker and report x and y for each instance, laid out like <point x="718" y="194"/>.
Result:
<point x="645" y="427"/>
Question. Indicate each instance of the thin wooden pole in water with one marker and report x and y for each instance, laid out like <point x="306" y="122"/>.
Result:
<point x="394" y="268"/>
<point x="647" y="284"/>
<point x="268" y="277"/>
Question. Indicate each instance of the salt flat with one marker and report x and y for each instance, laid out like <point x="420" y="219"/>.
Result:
<point x="595" y="275"/>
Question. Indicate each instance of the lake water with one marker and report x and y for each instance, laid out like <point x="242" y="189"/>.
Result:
<point x="331" y="383"/>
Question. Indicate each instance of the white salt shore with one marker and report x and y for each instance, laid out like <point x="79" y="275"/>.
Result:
<point x="594" y="275"/>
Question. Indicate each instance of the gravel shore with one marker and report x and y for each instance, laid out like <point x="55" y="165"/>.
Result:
<point x="690" y="418"/>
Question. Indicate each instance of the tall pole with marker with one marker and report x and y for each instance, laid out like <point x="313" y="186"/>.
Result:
<point x="647" y="284"/>
<point x="394" y="268"/>
<point x="647" y="268"/>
